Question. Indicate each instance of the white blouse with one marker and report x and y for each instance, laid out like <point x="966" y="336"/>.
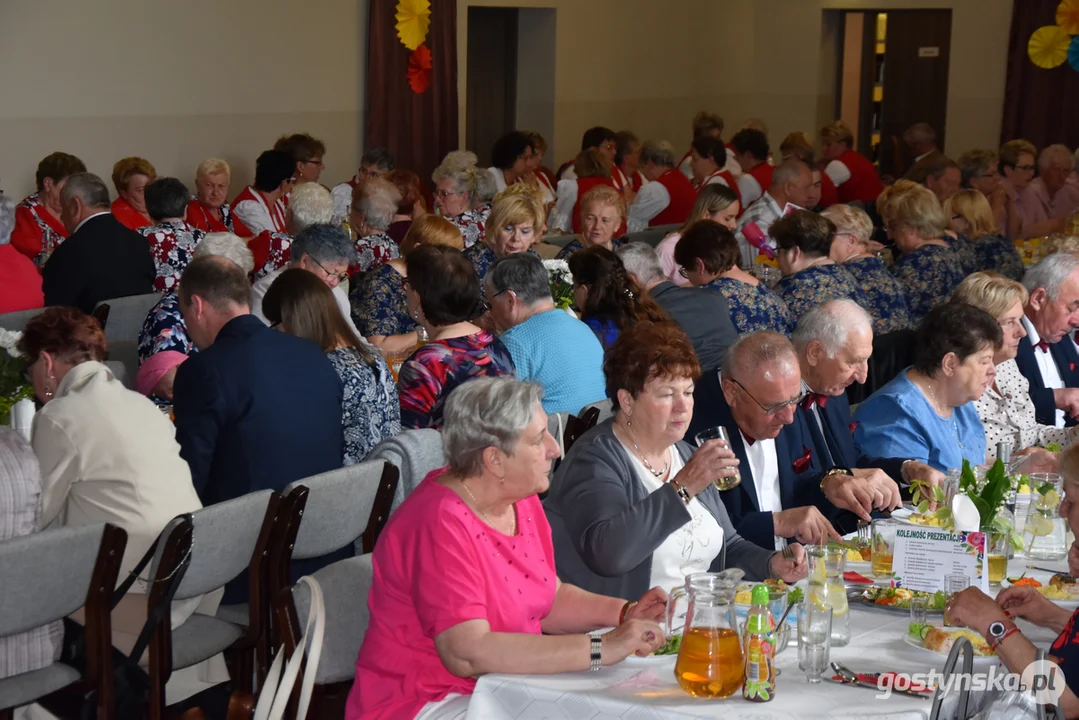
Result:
<point x="691" y="548"/>
<point x="1009" y="414"/>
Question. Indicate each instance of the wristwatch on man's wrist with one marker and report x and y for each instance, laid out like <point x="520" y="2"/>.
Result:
<point x="837" y="470"/>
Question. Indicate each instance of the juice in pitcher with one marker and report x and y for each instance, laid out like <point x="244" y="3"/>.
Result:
<point x="710" y="662"/>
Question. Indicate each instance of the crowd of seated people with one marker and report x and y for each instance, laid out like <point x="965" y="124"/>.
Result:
<point x="727" y="288"/>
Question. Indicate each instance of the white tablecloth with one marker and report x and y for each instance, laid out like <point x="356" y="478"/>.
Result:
<point x="645" y="688"/>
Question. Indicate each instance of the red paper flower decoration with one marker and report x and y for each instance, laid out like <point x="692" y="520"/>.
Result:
<point x="419" y="69"/>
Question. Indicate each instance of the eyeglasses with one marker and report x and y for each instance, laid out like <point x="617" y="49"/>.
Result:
<point x="443" y="194"/>
<point x="1025" y="168"/>
<point x="498" y="293"/>
<point x="683" y="272"/>
<point x="341" y="277"/>
<point x="315" y="161"/>
<point x="774" y="409"/>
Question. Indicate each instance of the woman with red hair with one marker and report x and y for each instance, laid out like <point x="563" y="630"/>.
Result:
<point x="130" y="176"/>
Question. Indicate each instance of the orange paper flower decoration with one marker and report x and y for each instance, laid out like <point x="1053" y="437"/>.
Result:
<point x="419" y="69"/>
<point x="1068" y="16"/>
<point x="1048" y="46"/>
<point x="413" y="22"/>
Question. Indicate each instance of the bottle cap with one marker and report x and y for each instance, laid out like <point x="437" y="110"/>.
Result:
<point x="761" y="595"/>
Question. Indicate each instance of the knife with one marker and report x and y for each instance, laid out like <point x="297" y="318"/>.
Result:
<point x="871" y="686"/>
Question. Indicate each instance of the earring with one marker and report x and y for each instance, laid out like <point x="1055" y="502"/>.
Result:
<point x="48" y="389"/>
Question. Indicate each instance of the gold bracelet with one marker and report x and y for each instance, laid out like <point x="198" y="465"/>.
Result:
<point x="625" y="609"/>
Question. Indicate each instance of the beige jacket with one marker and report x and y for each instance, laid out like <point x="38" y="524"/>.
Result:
<point x="108" y="454"/>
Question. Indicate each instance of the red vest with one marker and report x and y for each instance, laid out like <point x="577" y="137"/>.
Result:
<point x="682" y="195"/>
<point x="621" y="182"/>
<point x="583" y="186"/>
<point x="200" y="217"/>
<point x="731" y="183"/>
<point x="763" y="175"/>
<point x="829" y="195"/>
<point x="126" y="213"/>
<point x="864" y="183"/>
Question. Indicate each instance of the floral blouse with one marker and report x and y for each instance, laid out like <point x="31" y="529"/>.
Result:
<point x="753" y="307"/>
<point x="370" y="411"/>
<point x="373" y="251"/>
<point x="964" y="250"/>
<point x="996" y="253"/>
<point x="378" y="303"/>
<point x="471" y="223"/>
<point x="885" y="298"/>
<point x="272" y="251"/>
<point x="1009" y="414"/>
<point x="171" y="245"/>
<point x="930" y="274"/>
<point x="575" y="245"/>
<point x="482" y="258"/>
<point x="164" y="329"/>
<point x="51" y="237"/>
<point x="436" y="369"/>
<point x="805" y="289"/>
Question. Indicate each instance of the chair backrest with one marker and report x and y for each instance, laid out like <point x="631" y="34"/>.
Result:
<point x="891" y="353"/>
<point x="604" y="407"/>
<point x="125" y="318"/>
<point x="651" y="236"/>
<point x="341" y="505"/>
<point x="48" y="575"/>
<point x="16" y="321"/>
<point x="578" y="426"/>
<point x="415" y="453"/>
<point x="560" y="241"/>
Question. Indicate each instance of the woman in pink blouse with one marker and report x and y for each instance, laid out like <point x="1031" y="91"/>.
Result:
<point x="464" y="578"/>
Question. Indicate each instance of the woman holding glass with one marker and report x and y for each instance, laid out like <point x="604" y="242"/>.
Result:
<point x="633" y="506"/>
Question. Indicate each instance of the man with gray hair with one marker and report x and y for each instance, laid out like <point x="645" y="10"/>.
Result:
<point x="101" y="259"/>
<point x="375" y="163"/>
<point x="792" y="182"/>
<point x="834" y="342"/>
<point x="20" y="281"/>
<point x="548" y="346"/>
<point x="669" y="195"/>
<point x="1047" y="356"/>
<point x="702" y="315"/>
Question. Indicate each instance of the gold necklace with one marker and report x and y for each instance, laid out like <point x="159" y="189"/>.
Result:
<point x="487" y="517"/>
<point x="657" y="473"/>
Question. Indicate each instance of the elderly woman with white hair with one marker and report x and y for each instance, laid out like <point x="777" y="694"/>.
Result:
<point x="1051" y="197"/>
<point x="457" y="180"/>
<point x="883" y="296"/>
<point x="374" y="203"/>
<point x="20" y="281"/>
<point x="209" y="210"/>
<point x="164" y="332"/>
<point x="668" y="197"/>
<point x="490" y="600"/>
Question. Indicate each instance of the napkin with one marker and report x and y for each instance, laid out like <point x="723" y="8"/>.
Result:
<point x="22" y="417"/>
<point x="854" y="578"/>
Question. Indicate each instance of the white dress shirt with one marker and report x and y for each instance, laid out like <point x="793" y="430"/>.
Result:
<point x="499" y="178"/>
<point x="838" y="172"/>
<point x="1047" y="366"/>
<point x="650" y="201"/>
<point x="562" y="213"/>
<point x="764" y="465"/>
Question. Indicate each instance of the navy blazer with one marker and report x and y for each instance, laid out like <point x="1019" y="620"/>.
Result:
<point x="257" y="410"/>
<point x="799" y="478"/>
<point x="1067" y="361"/>
<point x="837" y="440"/>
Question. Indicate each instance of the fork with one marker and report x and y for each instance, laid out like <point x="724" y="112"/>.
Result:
<point x="788" y="552"/>
<point x="864" y="533"/>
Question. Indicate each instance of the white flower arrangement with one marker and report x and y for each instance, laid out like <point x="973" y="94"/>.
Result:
<point x="8" y="341"/>
<point x="561" y="279"/>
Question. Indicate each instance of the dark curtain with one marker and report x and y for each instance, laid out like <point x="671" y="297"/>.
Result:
<point x="418" y="129"/>
<point x="1041" y="106"/>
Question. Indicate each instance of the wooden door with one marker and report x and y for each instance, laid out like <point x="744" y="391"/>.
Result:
<point x="915" y="81"/>
<point x="491" y="109"/>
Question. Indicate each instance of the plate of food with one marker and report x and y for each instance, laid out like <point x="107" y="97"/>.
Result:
<point x="896" y="599"/>
<point x="1063" y="590"/>
<point x="939" y="641"/>
<point x="744" y="596"/>
<point x="858" y="555"/>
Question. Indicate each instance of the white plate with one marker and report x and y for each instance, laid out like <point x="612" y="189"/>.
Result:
<point x="983" y="659"/>
<point x="902" y="513"/>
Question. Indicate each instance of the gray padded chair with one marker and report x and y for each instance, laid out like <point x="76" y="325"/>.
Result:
<point x="17" y="320"/>
<point x="223" y="541"/>
<point x="651" y="236"/>
<point x="125" y="318"/>
<point x="69" y="568"/>
<point x="605" y="407"/>
<point x="415" y="453"/>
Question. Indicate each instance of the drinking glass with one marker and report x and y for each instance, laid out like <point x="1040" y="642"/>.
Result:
<point x="733" y="478"/>
<point x="951" y="485"/>
<point x="919" y="609"/>
<point x="996" y="555"/>
<point x="883" y="546"/>
<point x="814" y="639"/>
<point x="952" y="585"/>
<point x="827" y="588"/>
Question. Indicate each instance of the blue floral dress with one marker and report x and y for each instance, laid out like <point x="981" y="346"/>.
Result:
<point x="885" y="297"/>
<point x="370" y="411"/>
<point x="806" y="289"/>
<point x="575" y="245"/>
<point x="378" y="303"/>
<point x="997" y="254"/>
<point x="964" y="250"/>
<point x="164" y="329"/>
<point x="753" y="307"/>
<point x="930" y="274"/>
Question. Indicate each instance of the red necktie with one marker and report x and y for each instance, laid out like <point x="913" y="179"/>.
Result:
<point x="1042" y="345"/>
<point x="749" y="440"/>
<point x="814" y="399"/>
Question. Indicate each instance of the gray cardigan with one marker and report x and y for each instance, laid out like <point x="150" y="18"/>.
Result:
<point x="606" y="524"/>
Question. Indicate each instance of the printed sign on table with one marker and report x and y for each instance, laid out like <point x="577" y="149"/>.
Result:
<point x="924" y="556"/>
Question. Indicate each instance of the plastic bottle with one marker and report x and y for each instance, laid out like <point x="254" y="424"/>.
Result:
<point x="760" y="669"/>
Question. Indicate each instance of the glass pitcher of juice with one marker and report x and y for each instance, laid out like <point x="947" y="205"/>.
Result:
<point x="709" y="661"/>
<point x="725" y="584"/>
<point x="1045" y="532"/>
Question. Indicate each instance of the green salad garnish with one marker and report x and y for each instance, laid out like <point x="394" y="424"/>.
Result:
<point x="794" y="596"/>
<point x="918" y="631"/>
<point x="1053" y="447"/>
<point x="674" y="642"/>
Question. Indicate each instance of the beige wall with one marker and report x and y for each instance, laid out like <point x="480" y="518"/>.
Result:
<point x="178" y="82"/>
<point x="743" y="58"/>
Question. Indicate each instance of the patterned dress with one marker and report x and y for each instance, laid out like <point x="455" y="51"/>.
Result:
<point x="930" y="274"/>
<point x="41" y="224"/>
<point x="272" y="251"/>
<point x="576" y="245"/>
<point x="964" y="250"/>
<point x="171" y="245"/>
<point x="370" y="411"/>
<point x="471" y="223"/>
<point x="378" y="303"/>
<point x="885" y="297"/>
<point x="374" y="251"/>
<point x="997" y="254"/>
<point x="436" y="369"/>
<point x="482" y="258"/>
<point x="805" y="289"/>
<point x="1065" y="653"/>
<point x="164" y="329"/>
<point x="753" y="307"/>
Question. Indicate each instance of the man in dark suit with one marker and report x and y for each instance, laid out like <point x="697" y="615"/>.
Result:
<point x="921" y="142"/>
<point x="781" y="496"/>
<point x="101" y="259"/>
<point x="1047" y="356"/>
<point x="703" y="316"/>
<point x="834" y="342"/>
<point x="256" y="408"/>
